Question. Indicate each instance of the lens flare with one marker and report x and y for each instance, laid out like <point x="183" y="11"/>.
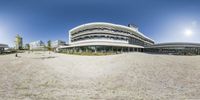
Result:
<point x="188" y="32"/>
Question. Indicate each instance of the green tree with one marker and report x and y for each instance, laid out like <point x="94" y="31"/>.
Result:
<point x="27" y="46"/>
<point x="49" y="45"/>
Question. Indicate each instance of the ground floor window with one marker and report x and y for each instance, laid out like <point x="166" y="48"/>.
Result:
<point x="102" y="49"/>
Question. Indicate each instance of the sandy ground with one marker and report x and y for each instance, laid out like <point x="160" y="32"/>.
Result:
<point x="131" y="76"/>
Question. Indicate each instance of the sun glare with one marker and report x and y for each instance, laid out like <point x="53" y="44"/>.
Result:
<point x="188" y="32"/>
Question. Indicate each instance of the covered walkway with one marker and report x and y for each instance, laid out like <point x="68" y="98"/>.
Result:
<point x="101" y="47"/>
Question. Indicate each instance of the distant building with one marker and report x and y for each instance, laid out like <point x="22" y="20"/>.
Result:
<point x="37" y="45"/>
<point x="57" y="43"/>
<point x="18" y="42"/>
<point x="2" y="47"/>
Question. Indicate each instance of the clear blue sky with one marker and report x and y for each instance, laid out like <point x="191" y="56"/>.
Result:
<point x="161" y="20"/>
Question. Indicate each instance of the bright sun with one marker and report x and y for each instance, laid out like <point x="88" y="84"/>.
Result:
<point x="188" y="32"/>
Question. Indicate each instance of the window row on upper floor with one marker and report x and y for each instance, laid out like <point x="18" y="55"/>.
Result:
<point x="108" y="29"/>
<point x="117" y="36"/>
<point x="98" y="37"/>
<point x="111" y="37"/>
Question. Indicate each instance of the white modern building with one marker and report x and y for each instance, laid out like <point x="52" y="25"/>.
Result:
<point x="58" y="43"/>
<point x="37" y="45"/>
<point x="177" y="48"/>
<point x="106" y="37"/>
<point x="2" y="47"/>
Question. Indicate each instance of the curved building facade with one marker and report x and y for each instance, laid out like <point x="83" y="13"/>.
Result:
<point x="101" y="36"/>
